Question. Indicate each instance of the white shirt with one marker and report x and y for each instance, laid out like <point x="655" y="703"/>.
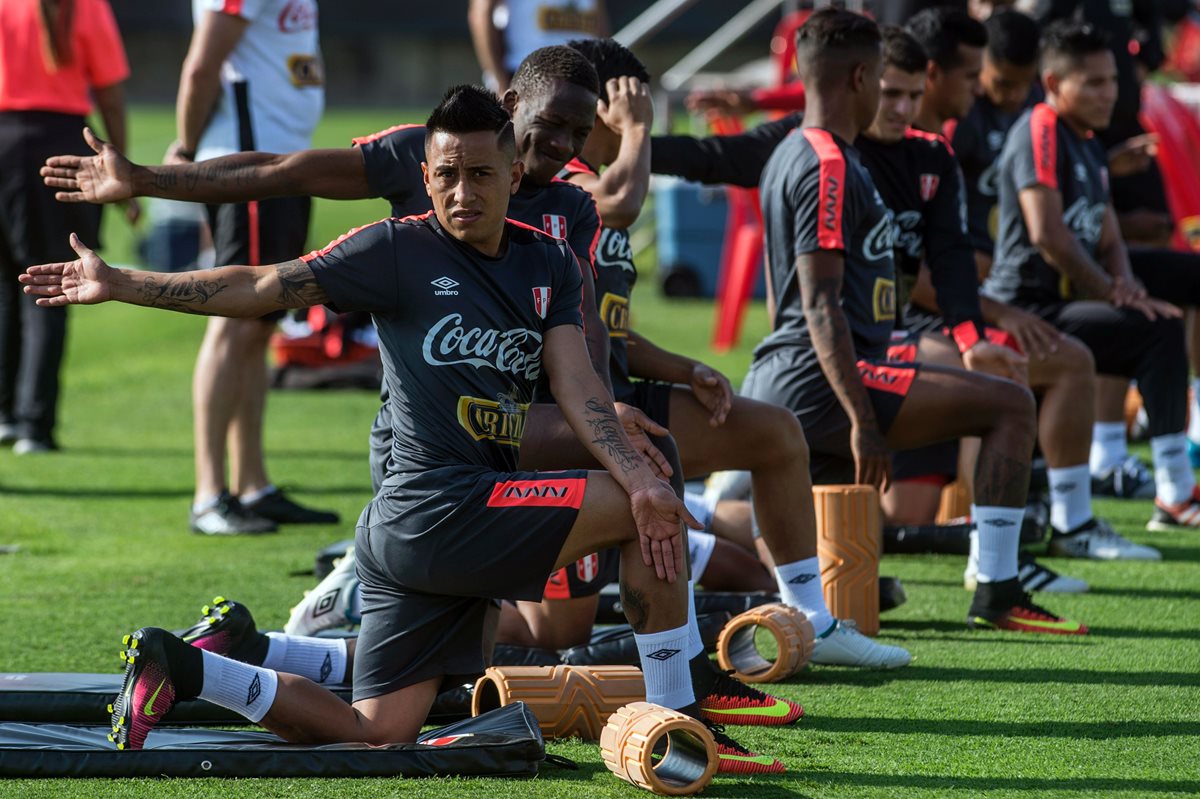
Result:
<point x="272" y="84"/>
<point x="533" y="24"/>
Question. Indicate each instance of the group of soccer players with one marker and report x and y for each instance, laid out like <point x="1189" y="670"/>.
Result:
<point x="508" y="241"/>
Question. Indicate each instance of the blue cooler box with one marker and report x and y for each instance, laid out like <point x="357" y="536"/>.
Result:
<point x="690" y="227"/>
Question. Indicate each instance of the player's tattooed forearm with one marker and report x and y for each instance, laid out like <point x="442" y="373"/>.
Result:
<point x="165" y="180"/>
<point x="1000" y="480"/>
<point x="609" y="435"/>
<point x="634" y="605"/>
<point x="217" y="175"/>
<point x="834" y="344"/>
<point x="298" y="286"/>
<point x="181" y="293"/>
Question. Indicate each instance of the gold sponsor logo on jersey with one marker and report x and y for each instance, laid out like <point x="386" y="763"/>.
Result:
<point x="614" y="311"/>
<point x="1189" y="226"/>
<point x="501" y="420"/>
<point x="306" y="70"/>
<point x="570" y="19"/>
<point x="884" y="299"/>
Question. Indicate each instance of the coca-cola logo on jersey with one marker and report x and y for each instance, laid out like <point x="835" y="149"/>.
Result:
<point x="989" y="183"/>
<point x="1085" y="220"/>
<point x="614" y="249"/>
<point x="878" y="243"/>
<point x="297" y="16"/>
<point x="909" y="238"/>
<point x="517" y="351"/>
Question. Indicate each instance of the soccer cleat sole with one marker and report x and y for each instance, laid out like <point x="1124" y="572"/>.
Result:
<point x="777" y="715"/>
<point x="731" y="763"/>
<point x="1008" y="624"/>
<point x="134" y="714"/>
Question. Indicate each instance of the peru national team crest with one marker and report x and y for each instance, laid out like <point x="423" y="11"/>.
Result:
<point x="929" y="184"/>
<point x="555" y="225"/>
<point x="541" y="300"/>
<point x="587" y="569"/>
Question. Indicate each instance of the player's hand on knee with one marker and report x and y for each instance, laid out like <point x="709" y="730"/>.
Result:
<point x="1037" y="337"/>
<point x="714" y="392"/>
<point x="638" y="428"/>
<point x="85" y="281"/>
<point x="997" y="360"/>
<point x="106" y="177"/>
<point x="660" y="517"/>
<point x="872" y="458"/>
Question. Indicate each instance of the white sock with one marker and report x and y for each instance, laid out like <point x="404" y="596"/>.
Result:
<point x="322" y="660"/>
<point x="255" y="496"/>
<point x="1193" y="432"/>
<point x="800" y="587"/>
<point x="1070" y="497"/>
<point x="211" y="502"/>
<point x="1109" y="447"/>
<point x="246" y="690"/>
<point x="1173" y="475"/>
<point x="999" y="538"/>
<point x="664" y="662"/>
<point x="695" y="642"/>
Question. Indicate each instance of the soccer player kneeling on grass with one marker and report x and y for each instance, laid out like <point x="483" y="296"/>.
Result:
<point x="469" y="308"/>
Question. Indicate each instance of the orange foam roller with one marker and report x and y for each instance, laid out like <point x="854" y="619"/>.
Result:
<point x="567" y="701"/>
<point x="849" y="535"/>
<point x="661" y="750"/>
<point x="737" y="650"/>
<point x="955" y="502"/>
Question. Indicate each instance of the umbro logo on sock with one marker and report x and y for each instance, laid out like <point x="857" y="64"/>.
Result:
<point x="326" y="603"/>
<point x="326" y="668"/>
<point x="663" y="654"/>
<point x="801" y="579"/>
<point x="1173" y="452"/>
<point x="1063" y="486"/>
<point x="255" y="690"/>
<point x="999" y="522"/>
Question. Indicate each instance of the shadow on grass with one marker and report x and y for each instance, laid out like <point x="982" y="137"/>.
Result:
<point x="724" y="786"/>
<point x="1038" y="676"/>
<point x="1147" y="593"/>
<point x="978" y="786"/>
<point x="1098" y="731"/>
<point x="1100" y="631"/>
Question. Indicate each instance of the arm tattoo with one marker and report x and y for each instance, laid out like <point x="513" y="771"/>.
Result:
<point x="634" y="605"/>
<point x="218" y="175"/>
<point x="298" y="286"/>
<point x="834" y="343"/>
<point x="165" y="180"/>
<point x="180" y="292"/>
<point x="609" y="435"/>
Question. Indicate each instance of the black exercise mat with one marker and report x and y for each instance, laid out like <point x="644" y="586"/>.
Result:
<point x="69" y="698"/>
<point x="502" y="743"/>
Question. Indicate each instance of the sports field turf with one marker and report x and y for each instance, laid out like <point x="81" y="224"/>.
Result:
<point x="104" y="549"/>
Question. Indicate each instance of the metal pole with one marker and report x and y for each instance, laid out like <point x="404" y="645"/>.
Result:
<point x="716" y="44"/>
<point x="651" y="21"/>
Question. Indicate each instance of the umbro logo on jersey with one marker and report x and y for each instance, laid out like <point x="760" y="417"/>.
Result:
<point x="445" y="287"/>
<point x="541" y="300"/>
<point x="555" y="225"/>
<point x="929" y="185"/>
<point x="663" y="654"/>
<point x="801" y="579"/>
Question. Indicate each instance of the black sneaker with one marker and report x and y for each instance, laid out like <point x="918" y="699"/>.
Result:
<point x="736" y="759"/>
<point x="1036" y="577"/>
<point x="227" y="628"/>
<point x="148" y="692"/>
<point x="228" y="517"/>
<point x="281" y="510"/>
<point x="1129" y="479"/>
<point x="1005" y="606"/>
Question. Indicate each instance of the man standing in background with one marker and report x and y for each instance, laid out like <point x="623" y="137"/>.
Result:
<point x="505" y="31"/>
<point x="253" y="79"/>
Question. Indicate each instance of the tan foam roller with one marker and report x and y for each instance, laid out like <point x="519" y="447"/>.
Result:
<point x="736" y="649"/>
<point x="568" y="701"/>
<point x="849" y="535"/>
<point x="635" y="734"/>
<point x="955" y="502"/>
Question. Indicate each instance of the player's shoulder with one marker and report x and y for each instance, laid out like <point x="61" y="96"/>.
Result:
<point x="931" y="146"/>
<point x="576" y="166"/>
<point x="363" y="237"/>
<point x="396" y="136"/>
<point x="805" y="150"/>
<point x="537" y="243"/>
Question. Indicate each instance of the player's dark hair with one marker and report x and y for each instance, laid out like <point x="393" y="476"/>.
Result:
<point x="611" y="60"/>
<point x="544" y="66"/>
<point x="1065" y="44"/>
<point x="471" y="109"/>
<point x="941" y="30"/>
<point x="57" y="18"/>
<point x="901" y="50"/>
<point x="832" y="40"/>
<point x="1012" y="38"/>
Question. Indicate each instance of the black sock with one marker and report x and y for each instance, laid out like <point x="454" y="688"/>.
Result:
<point x="186" y="664"/>
<point x="704" y="675"/>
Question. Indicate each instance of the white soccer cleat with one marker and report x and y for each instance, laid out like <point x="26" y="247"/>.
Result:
<point x="844" y="645"/>
<point x="1098" y="541"/>
<point x="328" y="606"/>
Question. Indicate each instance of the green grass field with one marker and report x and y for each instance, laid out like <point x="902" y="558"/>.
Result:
<point x="104" y="548"/>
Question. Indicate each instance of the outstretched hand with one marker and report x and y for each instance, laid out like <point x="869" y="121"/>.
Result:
<point x="660" y="516"/>
<point x="85" y="281"/>
<point x="638" y="429"/>
<point x="106" y="177"/>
